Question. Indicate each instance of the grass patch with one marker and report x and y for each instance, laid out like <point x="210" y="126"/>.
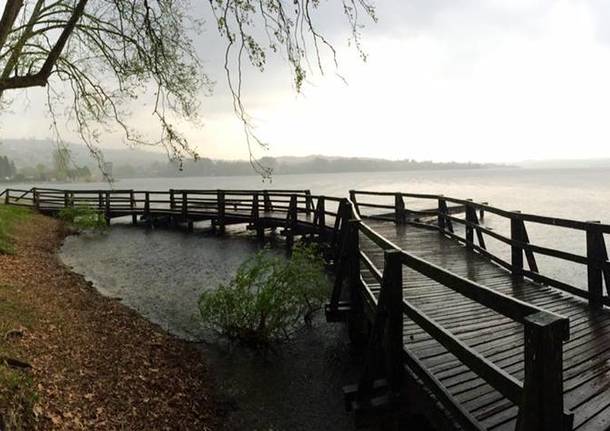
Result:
<point x="9" y="217"/>
<point x="17" y="393"/>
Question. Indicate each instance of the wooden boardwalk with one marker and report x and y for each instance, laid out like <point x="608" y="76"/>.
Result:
<point x="586" y="363"/>
<point x="499" y="344"/>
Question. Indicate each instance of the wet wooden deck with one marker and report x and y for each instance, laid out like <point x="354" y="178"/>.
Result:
<point x="586" y="367"/>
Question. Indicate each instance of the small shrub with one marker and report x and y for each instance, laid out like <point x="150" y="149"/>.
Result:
<point x="83" y="218"/>
<point x="269" y="298"/>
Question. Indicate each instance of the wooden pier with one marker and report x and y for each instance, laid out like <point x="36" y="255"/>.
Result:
<point x="499" y="344"/>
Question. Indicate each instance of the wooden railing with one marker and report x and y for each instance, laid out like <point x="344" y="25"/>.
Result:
<point x="522" y="251"/>
<point x="539" y="396"/>
<point x="186" y="206"/>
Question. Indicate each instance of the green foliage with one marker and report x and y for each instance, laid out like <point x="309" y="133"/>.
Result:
<point x="83" y="218"/>
<point x="18" y="395"/>
<point x="9" y="217"/>
<point x="17" y="400"/>
<point x="268" y="299"/>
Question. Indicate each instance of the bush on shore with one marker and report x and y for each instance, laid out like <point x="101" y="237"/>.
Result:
<point x="269" y="298"/>
<point x="83" y="218"/>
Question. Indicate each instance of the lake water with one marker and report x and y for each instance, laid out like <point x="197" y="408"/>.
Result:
<point x="572" y="193"/>
<point x="581" y="194"/>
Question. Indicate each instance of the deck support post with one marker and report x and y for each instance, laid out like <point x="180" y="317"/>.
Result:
<point x="260" y="229"/>
<point x="344" y="254"/>
<point x="147" y="214"/>
<point x="308" y="203"/>
<point x="354" y="201"/>
<point x="319" y="219"/>
<point x="443" y="221"/>
<point x="107" y="214"/>
<point x="185" y="211"/>
<point x="392" y="278"/>
<point x="541" y="406"/>
<point x="400" y="214"/>
<point x="172" y="206"/>
<point x="220" y="199"/>
<point x="132" y="206"/>
<point x="291" y="223"/>
<point x="469" y="209"/>
<point x="268" y="206"/>
<point x="356" y="319"/>
<point x="384" y="351"/>
<point x="36" y="197"/>
<point x="441" y="212"/>
<point x="482" y="211"/>
<point x="516" y="236"/>
<point x="597" y="257"/>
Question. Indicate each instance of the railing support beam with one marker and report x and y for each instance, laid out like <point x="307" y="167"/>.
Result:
<point x="541" y="407"/>
<point x="597" y="256"/>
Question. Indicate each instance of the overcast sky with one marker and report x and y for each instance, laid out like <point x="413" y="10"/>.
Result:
<point x="459" y="80"/>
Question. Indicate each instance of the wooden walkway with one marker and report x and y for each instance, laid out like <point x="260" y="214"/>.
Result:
<point x="586" y="362"/>
<point x="499" y="344"/>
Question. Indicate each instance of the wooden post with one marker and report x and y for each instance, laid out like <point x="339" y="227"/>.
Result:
<point x="7" y="197"/>
<point x="220" y="199"/>
<point x="482" y="211"/>
<point x="516" y="236"/>
<point x="260" y="229"/>
<point x="340" y="218"/>
<point x="352" y="198"/>
<point x="320" y="218"/>
<point x="100" y="202"/>
<point x="107" y="209"/>
<point x="596" y="257"/>
<point x="441" y="221"/>
<point x="36" y="197"/>
<point x="185" y="210"/>
<point x="132" y="207"/>
<point x="66" y="199"/>
<point x="400" y="215"/>
<point x="147" y="214"/>
<point x="172" y="200"/>
<point x="291" y="222"/>
<point x="268" y="206"/>
<point x="392" y="282"/>
<point x="469" y="222"/>
<point x="356" y="318"/>
<point x="541" y="406"/>
<point x="308" y="203"/>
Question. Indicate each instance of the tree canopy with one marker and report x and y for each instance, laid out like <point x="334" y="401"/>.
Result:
<point x="96" y="56"/>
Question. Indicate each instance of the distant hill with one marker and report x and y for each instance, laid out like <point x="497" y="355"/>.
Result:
<point x="30" y="152"/>
<point x="565" y="163"/>
<point x="129" y="163"/>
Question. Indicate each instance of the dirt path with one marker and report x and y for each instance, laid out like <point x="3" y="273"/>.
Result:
<point x="96" y="363"/>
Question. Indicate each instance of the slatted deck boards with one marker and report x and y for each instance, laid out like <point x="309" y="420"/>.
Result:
<point x="586" y="354"/>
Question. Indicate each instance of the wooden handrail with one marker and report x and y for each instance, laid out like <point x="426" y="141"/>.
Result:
<point x="522" y="250"/>
<point x="539" y="324"/>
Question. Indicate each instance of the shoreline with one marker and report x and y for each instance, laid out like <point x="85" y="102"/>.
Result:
<point x="95" y="362"/>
